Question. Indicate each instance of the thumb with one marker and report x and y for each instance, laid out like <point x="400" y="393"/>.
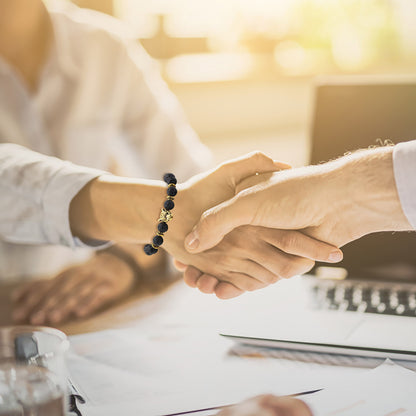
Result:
<point x="218" y="221"/>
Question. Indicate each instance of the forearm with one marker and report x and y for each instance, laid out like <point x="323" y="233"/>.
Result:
<point x="115" y="208"/>
<point x="335" y="202"/>
<point x="363" y="187"/>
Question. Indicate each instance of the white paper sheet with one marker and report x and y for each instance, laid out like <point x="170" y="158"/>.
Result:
<point x="172" y="369"/>
<point x="388" y="390"/>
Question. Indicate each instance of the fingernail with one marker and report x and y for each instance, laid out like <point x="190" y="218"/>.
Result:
<point x="335" y="257"/>
<point x="192" y="241"/>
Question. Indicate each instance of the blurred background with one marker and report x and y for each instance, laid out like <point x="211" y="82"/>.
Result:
<point x="244" y="70"/>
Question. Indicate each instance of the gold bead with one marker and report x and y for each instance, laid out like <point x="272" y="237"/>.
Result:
<point x="165" y="215"/>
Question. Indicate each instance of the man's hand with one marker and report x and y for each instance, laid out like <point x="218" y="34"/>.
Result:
<point x="336" y="202"/>
<point x="76" y="292"/>
<point x="268" y="405"/>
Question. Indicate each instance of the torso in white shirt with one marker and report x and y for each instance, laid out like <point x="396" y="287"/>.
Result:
<point x="99" y="103"/>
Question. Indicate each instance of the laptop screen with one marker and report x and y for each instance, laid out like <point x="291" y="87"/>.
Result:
<point x="350" y="115"/>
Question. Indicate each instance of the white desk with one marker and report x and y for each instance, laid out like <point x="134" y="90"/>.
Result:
<point x="174" y="360"/>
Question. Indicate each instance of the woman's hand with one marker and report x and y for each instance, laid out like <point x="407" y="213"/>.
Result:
<point x="266" y="254"/>
<point x="77" y="292"/>
<point x="268" y="405"/>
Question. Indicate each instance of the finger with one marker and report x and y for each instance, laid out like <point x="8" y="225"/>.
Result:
<point x="25" y="306"/>
<point x="22" y="291"/>
<point x="66" y="286"/>
<point x="207" y="283"/>
<point x="97" y="297"/>
<point x="191" y="276"/>
<point x="256" y="272"/>
<point x="64" y="312"/>
<point x="268" y="405"/>
<point x="181" y="267"/>
<point x="218" y="221"/>
<point x="299" y="244"/>
<point x="286" y="406"/>
<point x="278" y="263"/>
<point x="28" y="289"/>
<point x="255" y="162"/>
<point x="79" y="304"/>
<point x="226" y="290"/>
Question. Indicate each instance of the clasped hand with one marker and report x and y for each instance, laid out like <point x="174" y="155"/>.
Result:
<point x="249" y="257"/>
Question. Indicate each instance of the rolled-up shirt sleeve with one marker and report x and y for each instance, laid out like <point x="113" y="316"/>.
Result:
<point x="404" y="163"/>
<point x="35" y="194"/>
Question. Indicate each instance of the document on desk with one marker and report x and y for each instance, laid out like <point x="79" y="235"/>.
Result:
<point x="172" y="369"/>
<point x="388" y="390"/>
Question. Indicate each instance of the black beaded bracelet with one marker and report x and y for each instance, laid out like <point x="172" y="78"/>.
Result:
<point x="165" y="215"/>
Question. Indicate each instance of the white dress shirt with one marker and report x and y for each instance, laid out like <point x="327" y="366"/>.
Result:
<point x="101" y="103"/>
<point x="37" y="191"/>
<point x="404" y="163"/>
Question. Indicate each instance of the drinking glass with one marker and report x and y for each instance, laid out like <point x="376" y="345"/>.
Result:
<point x="33" y="376"/>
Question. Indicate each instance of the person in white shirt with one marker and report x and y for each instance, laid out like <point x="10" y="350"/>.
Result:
<point x="74" y="84"/>
<point x="337" y="202"/>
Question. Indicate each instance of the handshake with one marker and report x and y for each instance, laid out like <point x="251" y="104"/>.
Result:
<point x="251" y="221"/>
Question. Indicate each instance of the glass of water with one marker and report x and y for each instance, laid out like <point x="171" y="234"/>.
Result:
<point x="33" y="376"/>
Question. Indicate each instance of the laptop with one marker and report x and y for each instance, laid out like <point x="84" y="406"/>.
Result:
<point x="365" y="305"/>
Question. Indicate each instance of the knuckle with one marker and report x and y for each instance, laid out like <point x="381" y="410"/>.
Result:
<point x="252" y="285"/>
<point x="258" y="156"/>
<point x="306" y="266"/>
<point x="268" y="277"/>
<point x="297" y="266"/>
<point x="225" y="263"/>
<point x="289" y="240"/>
<point x="272" y="279"/>
<point x="225" y="290"/>
<point x="288" y="269"/>
<point x="208" y="220"/>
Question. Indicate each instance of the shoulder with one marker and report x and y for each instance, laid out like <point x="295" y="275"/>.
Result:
<point x="90" y="26"/>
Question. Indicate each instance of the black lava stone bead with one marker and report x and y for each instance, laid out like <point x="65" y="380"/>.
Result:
<point x="169" y="204"/>
<point x="149" y="250"/>
<point x="170" y="178"/>
<point x="157" y="240"/>
<point x="171" y="191"/>
<point x="162" y="227"/>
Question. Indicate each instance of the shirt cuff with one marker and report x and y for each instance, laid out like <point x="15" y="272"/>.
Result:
<point x="404" y="165"/>
<point x="61" y="189"/>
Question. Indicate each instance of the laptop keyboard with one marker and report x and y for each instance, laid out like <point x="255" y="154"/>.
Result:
<point x="365" y="297"/>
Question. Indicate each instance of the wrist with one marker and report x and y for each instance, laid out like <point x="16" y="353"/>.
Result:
<point x="366" y="192"/>
<point x="116" y="208"/>
<point x="182" y="221"/>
